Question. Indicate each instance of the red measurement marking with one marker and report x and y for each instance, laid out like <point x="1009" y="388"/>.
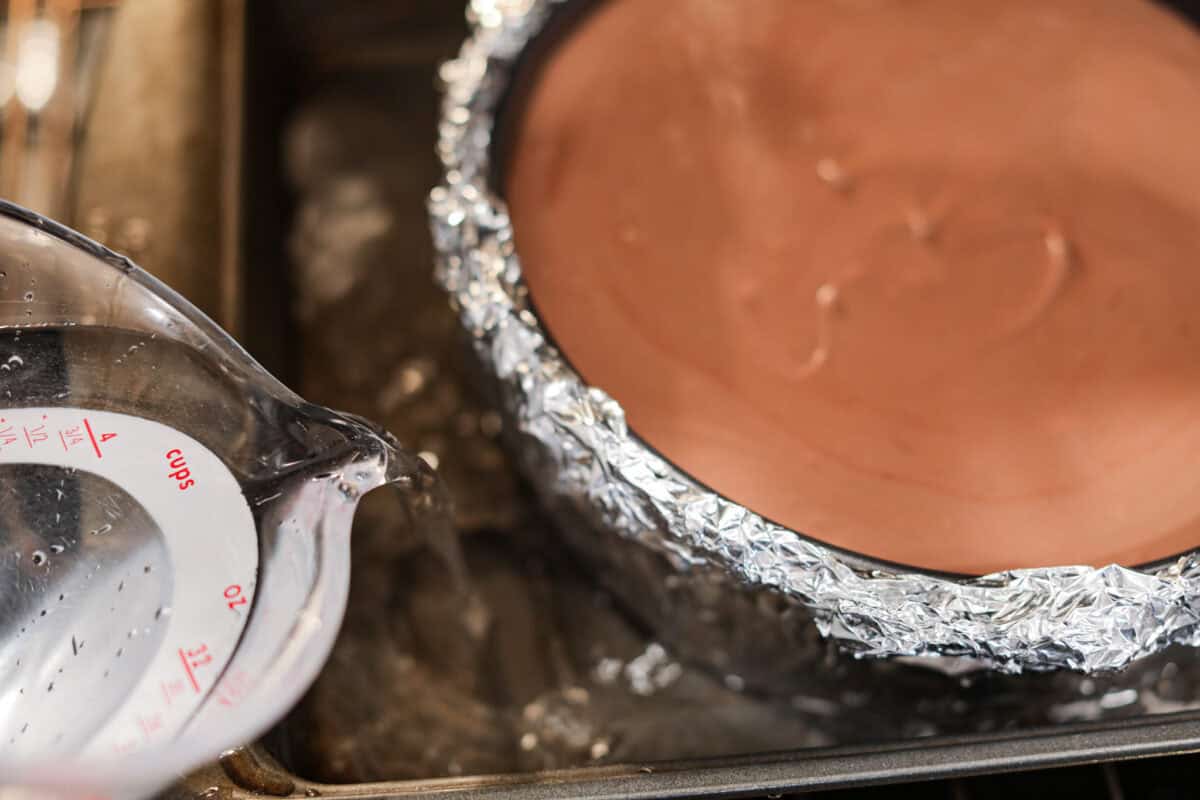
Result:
<point x="72" y="436"/>
<point x="172" y="690"/>
<point x="95" y="444"/>
<point x="234" y="597"/>
<point x="35" y="435"/>
<point x="188" y="668"/>
<point x="232" y="688"/>
<point x="150" y="725"/>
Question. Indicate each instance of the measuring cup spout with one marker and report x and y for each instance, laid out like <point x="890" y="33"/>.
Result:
<point x="370" y="457"/>
<point x="177" y="528"/>
<point x="421" y="492"/>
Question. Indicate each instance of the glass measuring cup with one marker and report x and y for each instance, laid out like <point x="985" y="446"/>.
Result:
<point x="174" y="524"/>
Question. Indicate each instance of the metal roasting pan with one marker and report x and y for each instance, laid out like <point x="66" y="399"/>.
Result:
<point x="270" y="93"/>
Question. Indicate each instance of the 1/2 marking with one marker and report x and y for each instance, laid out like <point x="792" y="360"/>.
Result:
<point x="35" y="434"/>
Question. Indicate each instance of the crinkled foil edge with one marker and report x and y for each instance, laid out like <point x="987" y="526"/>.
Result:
<point x="1081" y="618"/>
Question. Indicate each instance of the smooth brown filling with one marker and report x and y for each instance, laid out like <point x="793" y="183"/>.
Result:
<point x="918" y="278"/>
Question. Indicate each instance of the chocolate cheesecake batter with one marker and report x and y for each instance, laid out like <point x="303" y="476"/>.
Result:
<point x="918" y="278"/>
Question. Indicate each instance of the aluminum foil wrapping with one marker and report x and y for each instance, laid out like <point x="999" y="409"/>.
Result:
<point x="1080" y="618"/>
